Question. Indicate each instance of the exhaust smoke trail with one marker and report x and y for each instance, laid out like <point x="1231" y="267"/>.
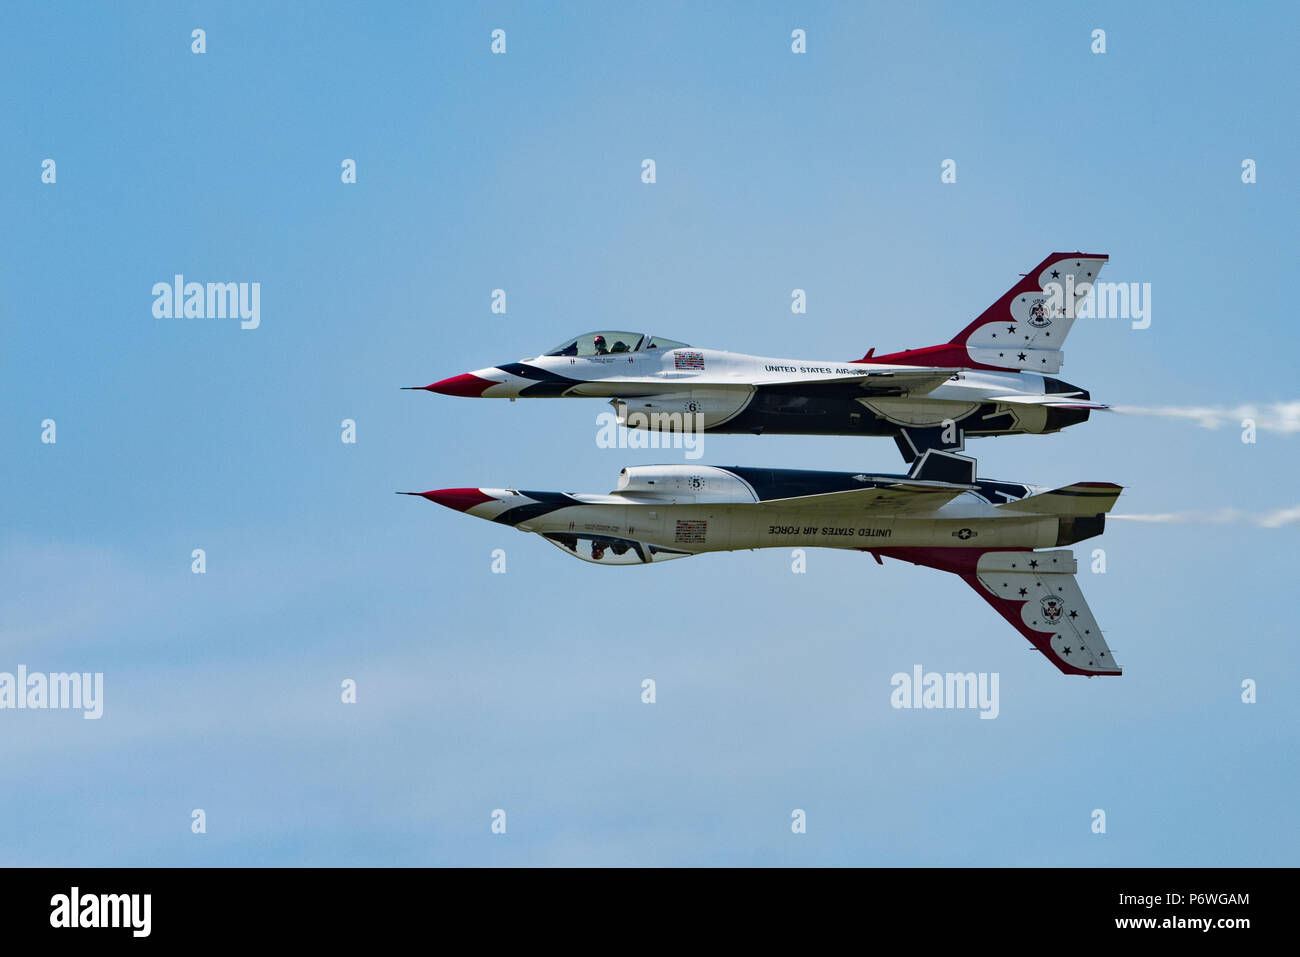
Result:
<point x="1272" y="417"/>
<point x="1225" y="516"/>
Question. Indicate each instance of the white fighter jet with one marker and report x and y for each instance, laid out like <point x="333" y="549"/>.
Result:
<point x="987" y="532"/>
<point x="993" y="378"/>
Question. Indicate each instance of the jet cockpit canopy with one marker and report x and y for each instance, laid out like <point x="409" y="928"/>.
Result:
<point x="612" y="342"/>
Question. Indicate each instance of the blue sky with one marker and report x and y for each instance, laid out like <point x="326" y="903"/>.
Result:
<point x="522" y="691"/>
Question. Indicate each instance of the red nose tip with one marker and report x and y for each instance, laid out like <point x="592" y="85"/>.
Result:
<point x="467" y="385"/>
<point x="461" y="499"/>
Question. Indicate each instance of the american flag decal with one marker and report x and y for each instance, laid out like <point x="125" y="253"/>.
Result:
<point x="685" y="359"/>
<point x="691" y="532"/>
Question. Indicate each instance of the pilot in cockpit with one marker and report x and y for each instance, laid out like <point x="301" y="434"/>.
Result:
<point x="599" y="343"/>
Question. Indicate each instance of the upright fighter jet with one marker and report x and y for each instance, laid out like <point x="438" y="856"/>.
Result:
<point x="993" y="378"/>
<point x="939" y="515"/>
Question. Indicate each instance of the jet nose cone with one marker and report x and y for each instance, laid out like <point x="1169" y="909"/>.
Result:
<point x="468" y="385"/>
<point x="461" y="499"/>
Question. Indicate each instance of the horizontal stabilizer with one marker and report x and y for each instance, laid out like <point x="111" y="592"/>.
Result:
<point x="1082" y="498"/>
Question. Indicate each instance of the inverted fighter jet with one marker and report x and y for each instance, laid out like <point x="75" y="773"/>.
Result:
<point x="989" y="533"/>
<point x="993" y="378"/>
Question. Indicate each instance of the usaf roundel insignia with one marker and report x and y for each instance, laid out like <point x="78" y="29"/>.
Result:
<point x="1053" y="608"/>
<point x="1038" y="314"/>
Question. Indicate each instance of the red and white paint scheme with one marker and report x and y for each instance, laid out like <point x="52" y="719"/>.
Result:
<point x="995" y="377"/>
<point x="940" y="515"/>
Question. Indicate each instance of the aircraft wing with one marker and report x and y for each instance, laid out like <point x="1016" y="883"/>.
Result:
<point x="1081" y="498"/>
<point x="1036" y="592"/>
<point x="884" y="499"/>
<point x="1059" y="401"/>
<point x="886" y="382"/>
